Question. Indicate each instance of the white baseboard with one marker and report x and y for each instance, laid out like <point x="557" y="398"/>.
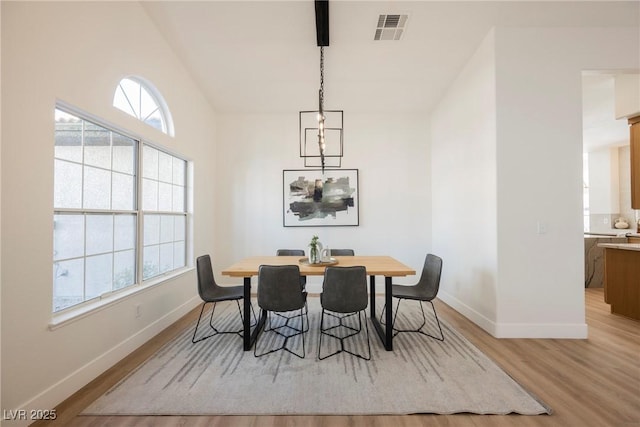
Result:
<point x="516" y="330"/>
<point x="468" y="312"/>
<point x="64" y="388"/>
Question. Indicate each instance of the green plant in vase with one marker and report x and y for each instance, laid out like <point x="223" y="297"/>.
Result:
<point x="315" y="248"/>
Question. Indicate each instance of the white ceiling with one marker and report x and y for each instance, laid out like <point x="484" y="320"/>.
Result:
<point x="261" y="56"/>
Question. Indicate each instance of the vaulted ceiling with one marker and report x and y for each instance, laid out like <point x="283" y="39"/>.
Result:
<point x="261" y="56"/>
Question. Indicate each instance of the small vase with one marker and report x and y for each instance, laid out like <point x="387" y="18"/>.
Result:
<point x="313" y="256"/>
<point x="314" y="253"/>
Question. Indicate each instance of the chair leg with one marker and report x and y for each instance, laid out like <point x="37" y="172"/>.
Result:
<point x="320" y="334"/>
<point x="288" y="318"/>
<point x="366" y="327"/>
<point x="215" y="330"/>
<point x="327" y="331"/>
<point x="438" y="322"/>
<point x="393" y="324"/>
<point x="276" y="330"/>
<point x="424" y="321"/>
<point x="255" y="320"/>
<point x="384" y="307"/>
<point x="193" y="339"/>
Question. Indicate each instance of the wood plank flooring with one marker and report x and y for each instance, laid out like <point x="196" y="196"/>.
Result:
<point x="593" y="382"/>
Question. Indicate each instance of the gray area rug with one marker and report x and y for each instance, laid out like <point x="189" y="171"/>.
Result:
<point x="215" y="377"/>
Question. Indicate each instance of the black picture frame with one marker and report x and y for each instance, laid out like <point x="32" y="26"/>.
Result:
<point x="313" y="199"/>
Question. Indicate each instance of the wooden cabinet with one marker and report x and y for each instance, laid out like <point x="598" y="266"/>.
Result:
<point x="634" y="125"/>
<point x="622" y="281"/>
<point x="633" y="239"/>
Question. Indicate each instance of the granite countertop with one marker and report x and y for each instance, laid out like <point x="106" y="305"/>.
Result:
<point x="625" y="246"/>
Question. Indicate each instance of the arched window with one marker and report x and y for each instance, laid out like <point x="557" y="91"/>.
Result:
<point x="140" y="99"/>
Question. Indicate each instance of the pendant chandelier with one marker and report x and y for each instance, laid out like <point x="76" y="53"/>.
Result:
<point x="321" y="131"/>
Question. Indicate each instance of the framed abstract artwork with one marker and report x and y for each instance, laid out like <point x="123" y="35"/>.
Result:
<point x="313" y="199"/>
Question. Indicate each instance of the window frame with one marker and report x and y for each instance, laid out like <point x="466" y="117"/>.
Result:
<point x="155" y="95"/>
<point x="148" y="212"/>
<point x="107" y="298"/>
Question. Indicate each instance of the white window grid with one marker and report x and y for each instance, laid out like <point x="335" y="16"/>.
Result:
<point x="140" y="99"/>
<point x="178" y="240"/>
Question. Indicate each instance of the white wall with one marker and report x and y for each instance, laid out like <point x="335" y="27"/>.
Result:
<point x="604" y="183"/>
<point x="538" y="279"/>
<point x="541" y="276"/>
<point x="78" y="52"/>
<point x="463" y="165"/>
<point x="390" y="153"/>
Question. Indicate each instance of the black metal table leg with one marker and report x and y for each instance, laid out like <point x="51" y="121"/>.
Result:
<point x="385" y="333"/>
<point x="388" y="300"/>
<point x="372" y="296"/>
<point x="249" y="337"/>
<point x="246" y="337"/>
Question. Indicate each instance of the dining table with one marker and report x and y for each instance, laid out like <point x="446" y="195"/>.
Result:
<point x="386" y="266"/>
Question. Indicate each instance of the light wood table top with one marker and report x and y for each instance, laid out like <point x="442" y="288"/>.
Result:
<point x="375" y="265"/>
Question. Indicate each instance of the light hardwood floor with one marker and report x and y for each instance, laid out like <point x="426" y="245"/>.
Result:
<point x="593" y="382"/>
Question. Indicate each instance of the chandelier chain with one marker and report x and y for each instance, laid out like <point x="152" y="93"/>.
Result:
<point x="321" y="77"/>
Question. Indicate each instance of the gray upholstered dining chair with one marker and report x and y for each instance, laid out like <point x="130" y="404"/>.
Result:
<point x="279" y="293"/>
<point x="211" y="292"/>
<point x="344" y="295"/>
<point x="425" y="290"/>
<point x="294" y="252"/>
<point x="342" y="252"/>
<point x="303" y="279"/>
<point x="290" y="252"/>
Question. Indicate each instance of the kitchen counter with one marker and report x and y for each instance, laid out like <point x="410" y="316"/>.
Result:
<point x="623" y="246"/>
<point x="622" y="278"/>
<point x="594" y="258"/>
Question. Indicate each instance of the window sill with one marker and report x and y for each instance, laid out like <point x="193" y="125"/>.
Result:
<point x="74" y="314"/>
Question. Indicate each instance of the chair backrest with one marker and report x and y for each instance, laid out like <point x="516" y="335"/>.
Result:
<point x="342" y="252"/>
<point x="344" y="289"/>
<point x="279" y="288"/>
<point x="430" y="279"/>
<point x="207" y="285"/>
<point x="290" y="252"/>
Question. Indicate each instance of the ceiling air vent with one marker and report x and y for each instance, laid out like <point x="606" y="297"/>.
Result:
<point x="390" y="27"/>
